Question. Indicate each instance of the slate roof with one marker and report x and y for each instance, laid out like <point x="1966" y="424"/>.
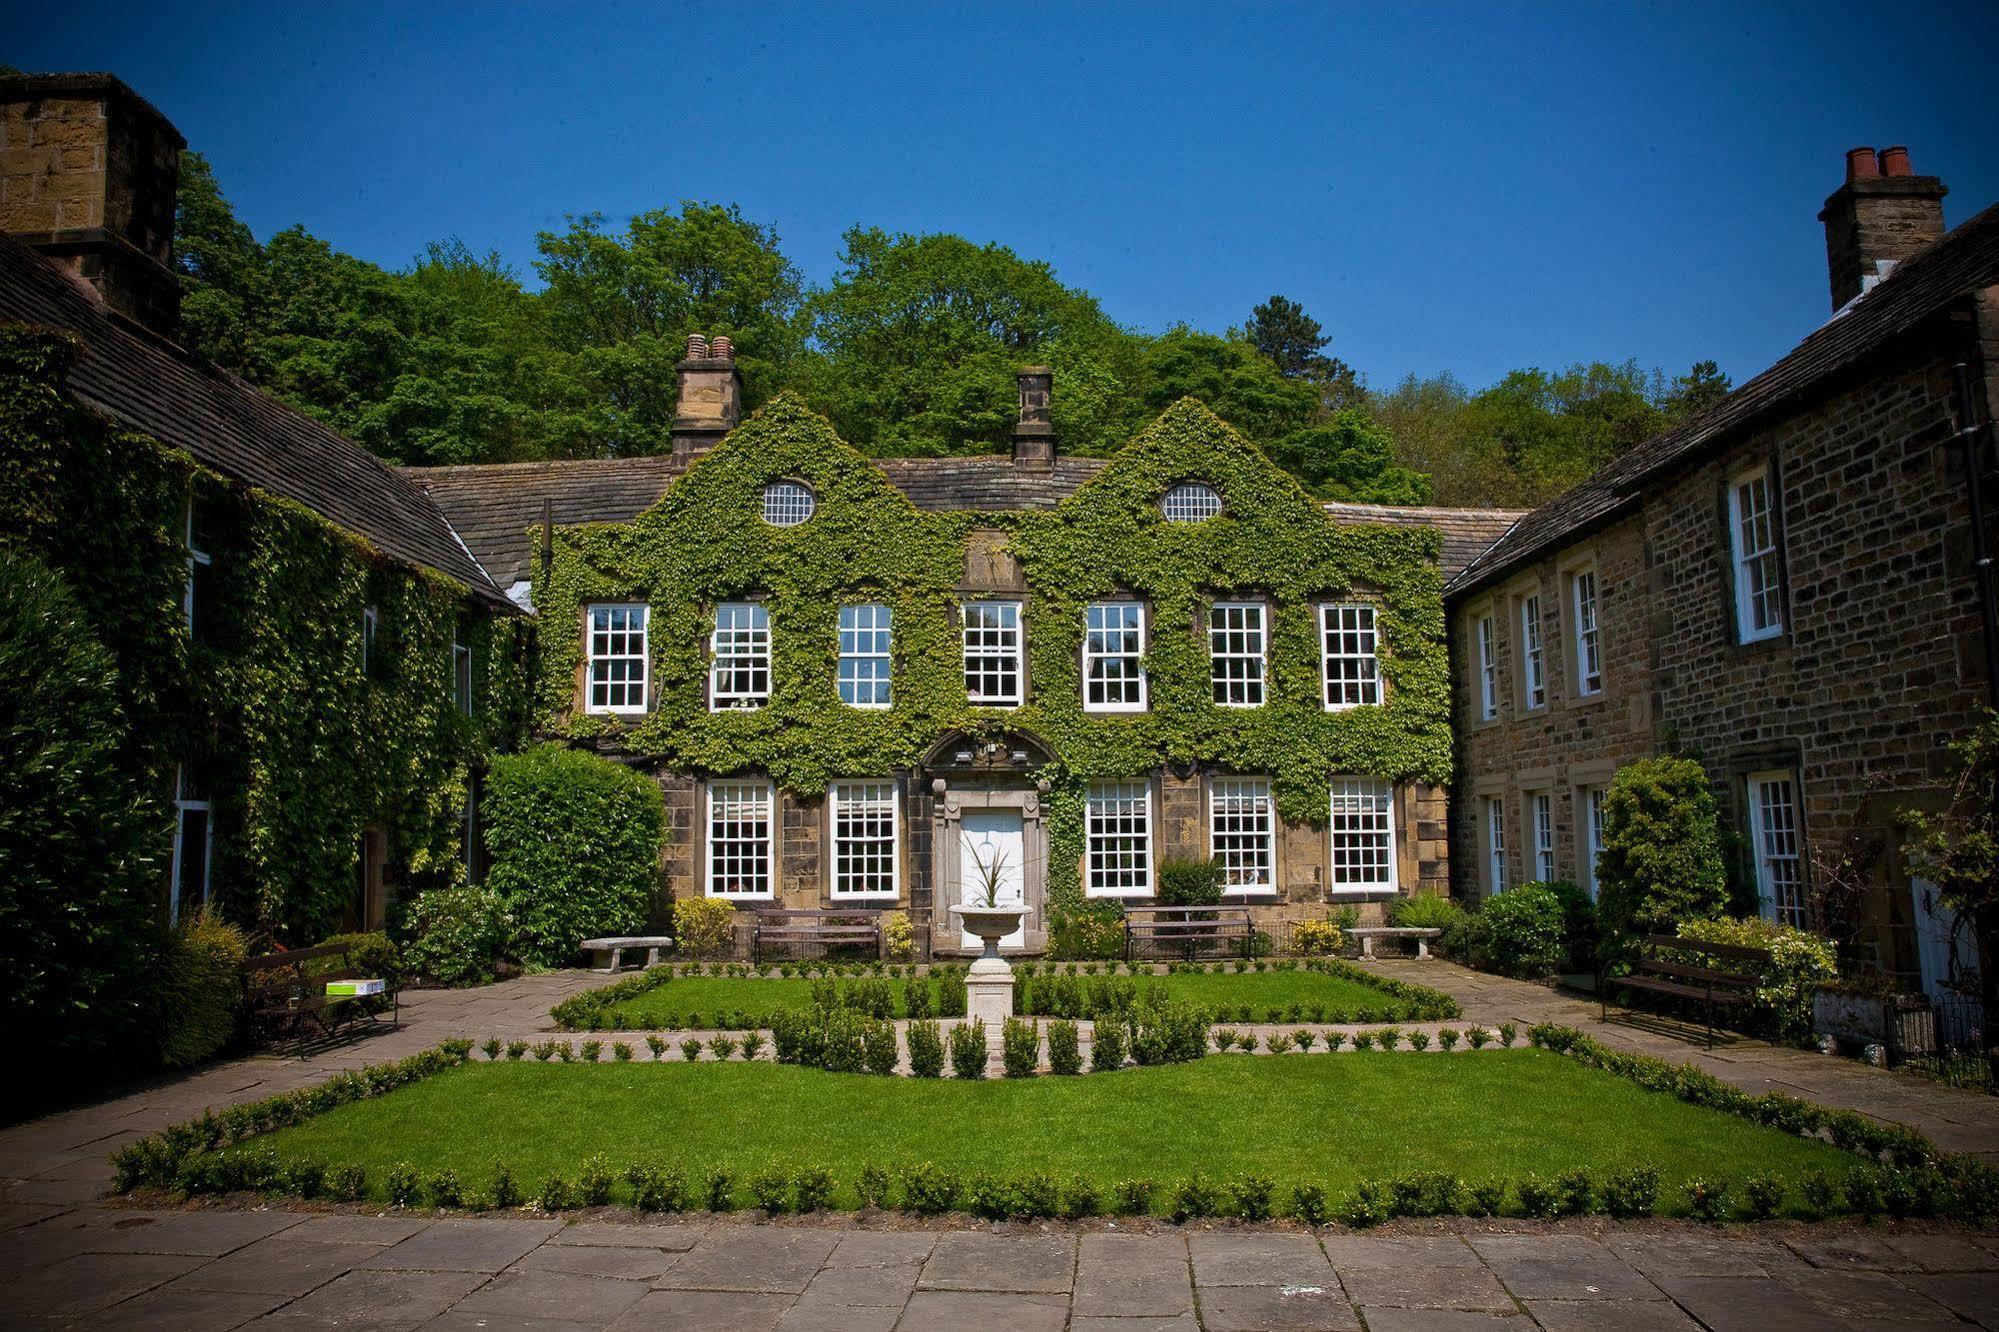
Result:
<point x="1920" y="287"/>
<point x="494" y="506"/>
<point x="150" y="385"/>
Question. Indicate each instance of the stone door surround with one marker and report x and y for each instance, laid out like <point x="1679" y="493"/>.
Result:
<point x="954" y="796"/>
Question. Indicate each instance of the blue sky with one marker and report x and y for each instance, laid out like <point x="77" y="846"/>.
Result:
<point x="1470" y="188"/>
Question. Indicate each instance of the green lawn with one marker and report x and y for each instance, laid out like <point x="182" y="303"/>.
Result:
<point x="712" y="997"/>
<point x="1336" y="1119"/>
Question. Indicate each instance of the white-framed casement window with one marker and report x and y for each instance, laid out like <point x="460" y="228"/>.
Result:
<point x="1495" y="844"/>
<point x="865" y="823"/>
<point x="1588" y="648"/>
<point x="1752" y="539"/>
<point x="617" y="659"/>
<point x="1236" y="646"/>
<point x="1488" y="670"/>
<point x="993" y="653"/>
<point x="739" y="672"/>
<point x="1773" y="818"/>
<point x="1589" y="834"/>
<point x="1533" y="660"/>
<point x="742" y="839"/>
<point x="1118" y="822"/>
<point x="1541" y="828"/>
<point x="1114" y="657"/>
<point x="1242" y="833"/>
<point x="461" y="665"/>
<point x="865" y="638"/>
<point x="1363" y="836"/>
<point x="200" y="564"/>
<point x="371" y="625"/>
<point x="194" y="846"/>
<point x="1349" y="656"/>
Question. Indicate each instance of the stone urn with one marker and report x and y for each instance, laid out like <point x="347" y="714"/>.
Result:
<point x="989" y="984"/>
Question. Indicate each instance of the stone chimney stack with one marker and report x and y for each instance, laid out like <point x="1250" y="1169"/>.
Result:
<point x="1034" y="431"/>
<point x="88" y="171"/>
<point x="1883" y="214"/>
<point x="711" y="397"/>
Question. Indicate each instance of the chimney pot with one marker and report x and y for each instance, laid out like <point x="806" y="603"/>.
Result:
<point x="1861" y="164"/>
<point x="1034" y="430"/>
<point x="697" y="347"/>
<point x="721" y="348"/>
<point x="1895" y="162"/>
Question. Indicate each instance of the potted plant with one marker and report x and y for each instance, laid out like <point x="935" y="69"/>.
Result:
<point x="986" y="916"/>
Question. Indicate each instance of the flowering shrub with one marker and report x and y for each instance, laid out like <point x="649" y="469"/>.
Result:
<point x="898" y="936"/>
<point x="456" y="934"/>
<point x="1799" y="961"/>
<point x="703" y="926"/>
<point x="1316" y="936"/>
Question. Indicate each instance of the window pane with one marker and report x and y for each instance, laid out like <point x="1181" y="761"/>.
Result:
<point x="992" y="653"/>
<point x="739" y="839"/>
<point x="1113" y="645"/>
<point x="1533" y="678"/>
<point x="1542" y="808"/>
<point x="1755" y="538"/>
<point x="1352" y="669"/>
<point x="788" y="503"/>
<point x="617" y="651"/>
<point x="740" y="674"/>
<point x="864" y="860"/>
<point x="1589" y="664"/>
<point x="1363" y="837"/>
<point x="1495" y="844"/>
<point x="1235" y="653"/>
<point x="1191" y="502"/>
<point x="864" y="656"/>
<point x="1779" y="866"/>
<point x="1120" y="839"/>
<point x="1242" y="833"/>
<point x="1488" y="671"/>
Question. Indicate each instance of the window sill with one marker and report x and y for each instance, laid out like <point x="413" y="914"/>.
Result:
<point x="1100" y="710"/>
<point x="1262" y="897"/>
<point x="1370" y="890"/>
<point x="860" y="901"/>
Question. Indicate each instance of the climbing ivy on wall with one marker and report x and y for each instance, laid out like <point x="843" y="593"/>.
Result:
<point x="300" y="749"/>
<point x="705" y="542"/>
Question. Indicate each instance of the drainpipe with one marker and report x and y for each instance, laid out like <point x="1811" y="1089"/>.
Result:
<point x="1981" y="546"/>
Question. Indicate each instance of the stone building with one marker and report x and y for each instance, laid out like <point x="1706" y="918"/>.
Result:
<point x="1783" y="587"/>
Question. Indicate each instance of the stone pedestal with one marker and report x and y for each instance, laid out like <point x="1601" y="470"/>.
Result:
<point x="989" y="998"/>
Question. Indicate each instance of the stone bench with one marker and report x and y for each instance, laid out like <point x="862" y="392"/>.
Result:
<point x="608" y="954"/>
<point x="1367" y="934"/>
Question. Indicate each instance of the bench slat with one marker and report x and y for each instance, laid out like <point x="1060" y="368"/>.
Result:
<point x="1687" y="971"/>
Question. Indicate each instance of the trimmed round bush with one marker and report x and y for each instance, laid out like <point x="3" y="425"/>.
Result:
<point x="575" y="844"/>
<point x="1661" y="860"/>
<point x="1520" y="932"/>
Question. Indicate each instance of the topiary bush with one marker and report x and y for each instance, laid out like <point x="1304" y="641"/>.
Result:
<point x="1661" y="862"/>
<point x="456" y="936"/>
<point x="201" y="988"/>
<point x="1519" y="932"/>
<point x="1190" y="883"/>
<point x="575" y="843"/>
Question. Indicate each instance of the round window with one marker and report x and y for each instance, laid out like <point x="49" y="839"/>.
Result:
<point x="1191" y="502"/>
<point x="788" y="503"/>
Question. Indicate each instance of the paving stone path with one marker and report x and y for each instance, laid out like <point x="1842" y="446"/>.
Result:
<point x="67" y="1259"/>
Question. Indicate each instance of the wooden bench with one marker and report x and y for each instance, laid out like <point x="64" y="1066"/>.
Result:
<point x="608" y="955"/>
<point x="284" y="995"/>
<point x="1190" y="927"/>
<point x="1367" y="934"/>
<point x="1722" y="978"/>
<point x="781" y="926"/>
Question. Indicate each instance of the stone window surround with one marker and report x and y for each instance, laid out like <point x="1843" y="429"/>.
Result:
<point x="1738" y="468"/>
<point x="1485" y="790"/>
<point x="948" y="870"/>
<point x="1752" y="824"/>
<point x="1534" y="797"/>
<point x="1582" y="778"/>
<point x="1514" y="597"/>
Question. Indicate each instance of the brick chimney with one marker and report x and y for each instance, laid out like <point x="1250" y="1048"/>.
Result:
<point x="1034" y="431"/>
<point x="1883" y="214"/>
<point x="711" y="397"/>
<point x="88" y="171"/>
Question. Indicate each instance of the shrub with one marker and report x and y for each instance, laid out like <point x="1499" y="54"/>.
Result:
<point x="930" y="1190"/>
<point x="1538" y="1198"/>
<point x="1305" y="1038"/>
<point x="926" y="1050"/>
<point x="988" y="1196"/>
<point x="1518" y="933"/>
<point x="1426" y="1193"/>
<point x="1579" y="1192"/>
<point x="1080" y="1198"/>
<point x="1065" y="1056"/>
<point x="1419" y="1040"/>
<point x="950" y="993"/>
<point x="1251" y="1196"/>
<point x="1707" y="1199"/>
<point x="770" y="1189"/>
<point x="1389" y="1037"/>
<point x="575" y="842"/>
<point x="811" y="1189"/>
<point x="1799" y="961"/>
<point x="1308" y="1204"/>
<point x="1424" y="911"/>
<point x="1093" y="930"/>
<point x="1486" y="1197"/>
<point x="1314" y="937"/>
<point x="1478" y="1037"/>
<point x="1762" y="1195"/>
<point x="1863" y="1192"/>
<point x="878" y="1053"/>
<point x="1168" y="1032"/>
<point x="1020" y="1047"/>
<point x="872" y="1185"/>
<point x="1508" y="1033"/>
<point x="1368" y="1205"/>
<point x="718" y="1189"/>
<point x="555" y="1195"/>
<point x="1661" y="861"/>
<point x="1448" y="1038"/>
<point x="704" y="926"/>
<point x="403" y="1184"/>
<point x="1633" y="1192"/>
<point x="1132" y="1197"/>
<point x="898" y="936"/>
<point x="506" y="1192"/>
<point x="657" y="1188"/>
<point x="593" y="1185"/>
<point x="455" y="936"/>
<point x="80" y="842"/>
<point x="1194" y="1197"/>
<point x="1106" y="1047"/>
<point x="968" y="1049"/>
<point x="200" y="990"/>
<point x="592" y="1050"/>
<point x="1363" y="1040"/>
<point x="753" y="1044"/>
<point x="1190" y="883"/>
<point x="1036" y="1195"/>
<point x="690" y="1049"/>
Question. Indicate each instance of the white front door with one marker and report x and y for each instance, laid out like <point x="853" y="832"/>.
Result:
<point x="992" y="839"/>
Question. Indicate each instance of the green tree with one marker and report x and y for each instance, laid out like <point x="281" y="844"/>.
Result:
<point x="1661" y="861"/>
<point x="1349" y="457"/>
<point x="1690" y="394"/>
<point x="1238" y="383"/>
<point x="1294" y="342"/>
<point x="221" y="269"/>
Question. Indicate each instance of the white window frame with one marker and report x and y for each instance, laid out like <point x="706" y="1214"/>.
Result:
<point x="593" y="658"/>
<point x="880" y="632"/>
<point x="461" y="669"/>
<point x="1488" y="667"/>
<point x="1191" y="502"/>
<point x="183" y="806"/>
<point x="1110" y="812"/>
<point x="1359" y="666"/>
<point x="1589" y="834"/>
<point x="1360" y="833"/>
<point x="739" y="646"/>
<point x="1541" y="834"/>
<point x="1004" y="654"/>
<point x="1777" y="831"/>
<point x="1256" y="678"/>
<point x="787" y="502"/>
<point x="875" y="793"/>
<point x="197" y="557"/>
<point x="1753" y="555"/>
<point x="766" y="794"/>
<point x="1495" y="843"/>
<point x="1128" y="661"/>
<point x="1256" y="791"/>
<point x="371" y="624"/>
<point x="1533" y="655"/>
<point x="1585" y="602"/>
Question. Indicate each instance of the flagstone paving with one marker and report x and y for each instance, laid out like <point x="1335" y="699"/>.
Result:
<point x="67" y="1259"/>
